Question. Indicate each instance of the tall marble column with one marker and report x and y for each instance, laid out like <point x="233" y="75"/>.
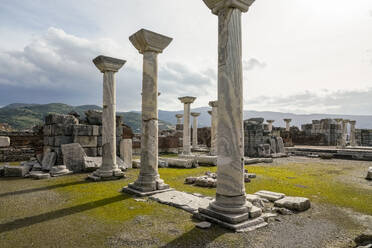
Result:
<point x="270" y="124"/>
<point x="230" y="208"/>
<point x="149" y="44"/>
<point x="186" y="100"/>
<point x="344" y="133"/>
<point x="179" y="125"/>
<point x="287" y="124"/>
<point x="195" y="129"/>
<point x="352" y="133"/>
<point x="339" y="131"/>
<point x="109" y="168"/>
<point x="214" y="127"/>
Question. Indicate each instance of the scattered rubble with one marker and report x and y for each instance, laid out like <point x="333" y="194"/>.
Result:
<point x="369" y="174"/>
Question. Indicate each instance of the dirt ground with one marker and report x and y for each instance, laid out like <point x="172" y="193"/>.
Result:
<point x="71" y="212"/>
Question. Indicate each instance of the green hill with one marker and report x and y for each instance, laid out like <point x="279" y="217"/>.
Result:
<point x="23" y="116"/>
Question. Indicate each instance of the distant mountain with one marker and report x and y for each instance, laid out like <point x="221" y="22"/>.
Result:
<point x="363" y="121"/>
<point x="24" y="116"/>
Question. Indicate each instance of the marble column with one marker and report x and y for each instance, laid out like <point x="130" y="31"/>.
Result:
<point x="214" y="127"/>
<point x="179" y="125"/>
<point x="230" y="207"/>
<point x="149" y="44"/>
<point x="352" y="133"/>
<point x="344" y="133"/>
<point x="339" y="131"/>
<point x="109" y="168"/>
<point x="287" y="124"/>
<point x="187" y="100"/>
<point x="195" y="129"/>
<point x="270" y="124"/>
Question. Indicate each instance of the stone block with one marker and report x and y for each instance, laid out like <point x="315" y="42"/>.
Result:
<point x="61" y="130"/>
<point x="94" y="117"/>
<point x="85" y="130"/>
<point x="293" y="203"/>
<point x="255" y="212"/>
<point x="2" y="170"/>
<point x="369" y="174"/>
<point x="126" y="151"/>
<point x="99" y="141"/>
<point x="61" y="140"/>
<point x="49" y="160"/>
<point x="60" y="170"/>
<point x="179" y="163"/>
<point x="92" y="163"/>
<point x="16" y="171"/>
<point x="4" y="141"/>
<point x="47" y="130"/>
<point x="73" y="157"/>
<point x="86" y="141"/>
<point x="91" y="151"/>
<point x="99" y="151"/>
<point x="39" y="175"/>
<point x="269" y="195"/>
<point x="60" y="119"/>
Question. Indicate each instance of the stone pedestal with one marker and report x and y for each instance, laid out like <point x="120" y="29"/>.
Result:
<point x="187" y="100"/>
<point x="230" y="208"/>
<point x="214" y="127"/>
<point x="126" y="151"/>
<point x="352" y="133"/>
<point x="109" y="169"/>
<point x="287" y="124"/>
<point x="195" y="130"/>
<point x="179" y="126"/>
<point x="270" y="125"/>
<point x="149" y="44"/>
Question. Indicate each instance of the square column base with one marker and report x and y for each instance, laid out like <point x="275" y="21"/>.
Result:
<point x="132" y="191"/>
<point x="235" y="222"/>
<point x="99" y="175"/>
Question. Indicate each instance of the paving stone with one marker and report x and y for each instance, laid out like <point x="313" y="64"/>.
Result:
<point x="185" y="201"/>
<point x="269" y="195"/>
<point x="293" y="203"/>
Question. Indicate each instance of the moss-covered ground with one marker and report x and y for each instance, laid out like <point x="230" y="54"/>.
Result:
<point x="71" y="212"/>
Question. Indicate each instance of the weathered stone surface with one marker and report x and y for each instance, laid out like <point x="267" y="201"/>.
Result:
<point x="16" y="171"/>
<point x="94" y="117"/>
<point x="203" y="225"/>
<point x="85" y="130"/>
<point x="148" y="41"/>
<point x="214" y="127"/>
<point x="61" y="140"/>
<point x="60" y="119"/>
<point x="269" y="195"/>
<point x="92" y="163"/>
<point x="188" y="202"/>
<point x="60" y="170"/>
<point x="73" y="157"/>
<point x="190" y="180"/>
<point x="179" y="163"/>
<point x="255" y="212"/>
<point x="293" y="203"/>
<point x="205" y="181"/>
<point x="86" y="141"/>
<point x="126" y="151"/>
<point x="4" y="141"/>
<point x="2" y="170"/>
<point x="201" y="159"/>
<point x="369" y="174"/>
<point x="49" y="160"/>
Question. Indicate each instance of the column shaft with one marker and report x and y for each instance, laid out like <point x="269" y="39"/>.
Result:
<point x="230" y="183"/>
<point x="109" y="123"/>
<point x="195" y="132"/>
<point x="186" y="129"/>
<point x="214" y="128"/>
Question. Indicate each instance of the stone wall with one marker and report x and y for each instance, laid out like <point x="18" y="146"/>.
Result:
<point x="363" y="137"/>
<point x="23" y="146"/>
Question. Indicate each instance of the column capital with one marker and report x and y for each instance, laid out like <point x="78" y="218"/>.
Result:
<point x="287" y="120"/>
<point x="270" y="121"/>
<point x="352" y="122"/>
<point x="210" y="112"/>
<point x="187" y="99"/>
<point x="179" y="115"/>
<point x="213" y="104"/>
<point x="194" y="114"/>
<point x="345" y="121"/>
<point x="104" y="63"/>
<point x="148" y="41"/>
<point x="217" y="5"/>
<point x="338" y="120"/>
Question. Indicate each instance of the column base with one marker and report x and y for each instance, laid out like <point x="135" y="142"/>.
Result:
<point x="100" y="175"/>
<point x="143" y="187"/>
<point x="133" y="191"/>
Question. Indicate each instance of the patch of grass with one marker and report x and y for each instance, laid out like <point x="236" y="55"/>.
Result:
<point x="318" y="182"/>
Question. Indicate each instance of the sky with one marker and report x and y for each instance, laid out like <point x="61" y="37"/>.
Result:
<point x="299" y="56"/>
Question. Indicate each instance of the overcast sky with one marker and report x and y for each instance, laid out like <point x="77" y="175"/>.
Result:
<point x="299" y="56"/>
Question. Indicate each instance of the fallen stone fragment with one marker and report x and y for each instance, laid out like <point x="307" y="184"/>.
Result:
<point x="293" y="203"/>
<point x="180" y="163"/>
<point x="49" y="160"/>
<point x="369" y="174"/>
<point x="39" y="175"/>
<point x="282" y="211"/>
<point x="203" y="225"/>
<point x="255" y="212"/>
<point x="136" y="163"/>
<point x="267" y="216"/>
<point x="73" y="157"/>
<point x="60" y="170"/>
<point x="36" y="167"/>
<point x="2" y="170"/>
<point x="269" y="195"/>
<point x="255" y="200"/>
<point x="190" y="180"/>
<point x="16" y="170"/>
